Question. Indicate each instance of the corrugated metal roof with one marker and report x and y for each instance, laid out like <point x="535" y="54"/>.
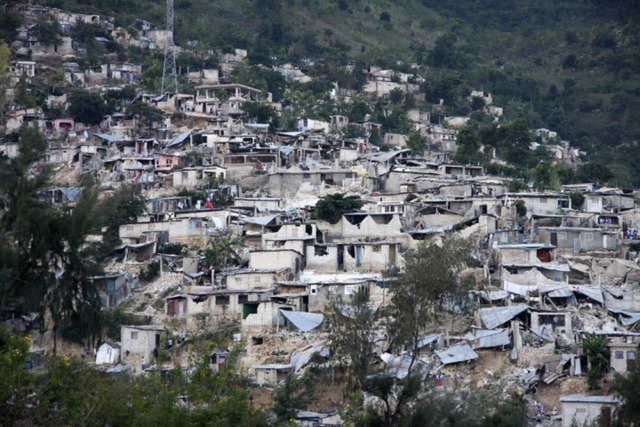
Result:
<point x="456" y="354"/>
<point x="493" y="317"/>
<point x="489" y="338"/>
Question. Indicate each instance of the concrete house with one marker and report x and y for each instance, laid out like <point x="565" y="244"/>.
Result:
<point x="202" y="305"/>
<point x="114" y="287"/>
<point x="525" y="253"/>
<point x="551" y="324"/>
<point x="193" y="177"/>
<point x="276" y="258"/>
<point x="287" y="182"/>
<point x="583" y="410"/>
<point x="363" y="225"/>
<point x="140" y="345"/>
<point x="579" y="239"/>
<point x="356" y="256"/>
<point x="271" y="374"/>
<point x="540" y="203"/>
<point x="624" y="353"/>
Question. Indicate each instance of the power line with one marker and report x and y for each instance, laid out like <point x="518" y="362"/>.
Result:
<point x="169" y="75"/>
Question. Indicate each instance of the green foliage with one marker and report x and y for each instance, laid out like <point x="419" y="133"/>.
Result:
<point x="331" y="208"/>
<point x="429" y="283"/>
<point x="87" y="107"/>
<point x="113" y="319"/>
<point x="597" y="351"/>
<point x="260" y="113"/>
<point x="445" y="54"/>
<point x="521" y="208"/>
<point x="545" y="177"/>
<point x="351" y="324"/>
<point x="353" y="131"/>
<point x="295" y="393"/>
<point x="9" y="23"/>
<point x="45" y="261"/>
<point x="193" y="158"/>
<point x="468" y="144"/>
<point x="150" y="272"/>
<point x="5" y="59"/>
<point x="577" y="199"/>
<point x="416" y="143"/>
<point x="69" y="393"/>
<point x="595" y="172"/>
<point x="628" y="387"/>
<point x="260" y="78"/>
<point x="123" y="207"/>
<point x="222" y="251"/>
<point x="517" y="185"/>
<point x="147" y="114"/>
<point x="47" y="33"/>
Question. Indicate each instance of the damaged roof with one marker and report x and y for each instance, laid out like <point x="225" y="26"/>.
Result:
<point x="456" y="354"/>
<point x="493" y="317"/>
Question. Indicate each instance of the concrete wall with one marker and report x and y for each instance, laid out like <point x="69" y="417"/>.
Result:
<point x="250" y="280"/>
<point x="581" y="413"/>
<point x="623" y="354"/>
<point x="265" y="318"/>
<point x="276" y="259"/>
<point x="137" y="346"/>
<point x="580" y="239"/>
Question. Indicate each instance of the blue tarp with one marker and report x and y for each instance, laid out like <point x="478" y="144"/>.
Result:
<point x="303" y="320"/>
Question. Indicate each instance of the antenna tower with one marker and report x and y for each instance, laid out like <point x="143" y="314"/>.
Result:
<point x="169" y="75"/>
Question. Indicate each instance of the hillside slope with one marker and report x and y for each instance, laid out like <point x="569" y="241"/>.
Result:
<point x="571" y="66"/>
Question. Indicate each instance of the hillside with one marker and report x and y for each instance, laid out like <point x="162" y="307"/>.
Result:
<point x="570" y="66"/>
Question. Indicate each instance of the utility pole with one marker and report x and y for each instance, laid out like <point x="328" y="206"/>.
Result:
<point x="169" y="75"/>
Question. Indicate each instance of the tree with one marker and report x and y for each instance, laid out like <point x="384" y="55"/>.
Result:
<point x="123" y="207"/>
<point x="595" y="172"/>
<point x="416" y="143"/>
<point x="628" y="387"/>
<point x="597" y="351"/>
<point x="545" y="176"/>
<point x="331" y="208"/>
<point x="385" y="16"/>
<point x="396" y="96"/>
<point x="468" y="144"/>
<point x="521" y="208"/>
<point x="27" y="226"/>
<point x="87" y="107"/>
<point x="352" y="334"/>
<point x="5" y="61"/>
<point x="260" y="113"/>
<point x="295" y="393"/>
<point x="445" y="54"/>
<point x="222" y="250"/>
<point x="429" y="283"/>
<point x="577" y="199"/>
<point x="145" y="113"/>
<point x="47" y="33"/>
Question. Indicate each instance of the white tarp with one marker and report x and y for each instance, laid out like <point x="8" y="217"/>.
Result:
<point x="303" y="320"/>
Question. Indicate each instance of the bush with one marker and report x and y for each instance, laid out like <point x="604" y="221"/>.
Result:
<point x="151" y="272"/>
<point x="577" y="199"/>
<point x="331" y="208"/>
<point x="86" y="107"/>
